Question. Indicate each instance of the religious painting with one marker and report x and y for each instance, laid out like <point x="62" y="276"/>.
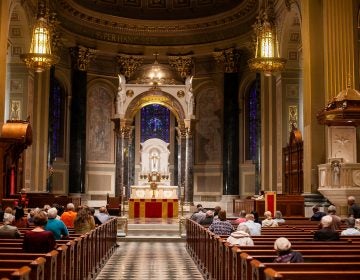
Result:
<point x="208" y="127"/>
<point x="155" y="123"/>
<point x="15" y="110"/>
<point x="100" y="138"/>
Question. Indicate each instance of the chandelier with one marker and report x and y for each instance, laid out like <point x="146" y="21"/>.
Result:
<point x="40" y="57"/>
<point x="267" y="58"/>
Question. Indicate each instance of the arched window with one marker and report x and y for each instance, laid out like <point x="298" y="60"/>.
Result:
<point x="155" y="123"/>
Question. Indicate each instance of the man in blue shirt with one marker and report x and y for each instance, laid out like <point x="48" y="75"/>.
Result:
<point x="56" y="226"/>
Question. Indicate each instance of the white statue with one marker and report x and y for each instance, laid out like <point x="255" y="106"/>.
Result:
<point x="154" y="161"/>
<point x="189" y="97"/>
<point x="120" y="96"/>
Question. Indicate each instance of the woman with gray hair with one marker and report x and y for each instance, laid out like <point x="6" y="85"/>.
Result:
<point x="241" y="236"/>
<point x="56" y="226"/>
<point x="285" y="254"/>
<point x="326" y="233"/>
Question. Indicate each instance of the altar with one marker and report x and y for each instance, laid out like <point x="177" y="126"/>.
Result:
<point x="147" y="203"/>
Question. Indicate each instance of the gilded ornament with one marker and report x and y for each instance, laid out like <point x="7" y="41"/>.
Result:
<point x="129" y="93"/>
<point x="180" y="93"/>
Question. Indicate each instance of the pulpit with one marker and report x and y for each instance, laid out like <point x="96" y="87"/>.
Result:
<point x="15" y="137"/>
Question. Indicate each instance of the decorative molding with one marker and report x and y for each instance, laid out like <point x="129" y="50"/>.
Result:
<point x="229" y="59"/>
<point x="183" y="64"/>
<point x="129" y="63"/>
<point x="81" y="57"/>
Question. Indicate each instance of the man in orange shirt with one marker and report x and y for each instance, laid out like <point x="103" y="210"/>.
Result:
<point x="68" y="217"/>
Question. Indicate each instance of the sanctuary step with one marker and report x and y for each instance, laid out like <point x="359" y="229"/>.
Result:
<point x="152" y="230"/>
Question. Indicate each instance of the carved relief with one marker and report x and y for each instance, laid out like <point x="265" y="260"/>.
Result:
<point x="100" y="141"/>
<point x="208" y="129"/>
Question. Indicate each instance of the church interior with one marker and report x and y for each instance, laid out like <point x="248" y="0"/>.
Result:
<point x="156" y="106"/>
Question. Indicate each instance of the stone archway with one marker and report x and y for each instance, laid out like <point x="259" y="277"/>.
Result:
<point x="124" y="132"/>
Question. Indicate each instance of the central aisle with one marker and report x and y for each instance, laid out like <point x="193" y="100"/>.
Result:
<point x="150" y="260"/>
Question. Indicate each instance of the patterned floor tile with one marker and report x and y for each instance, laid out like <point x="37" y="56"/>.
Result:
<point x="150" y="260"/>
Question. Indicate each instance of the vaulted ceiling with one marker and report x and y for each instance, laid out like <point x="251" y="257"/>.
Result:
<point x="169" y="26"/>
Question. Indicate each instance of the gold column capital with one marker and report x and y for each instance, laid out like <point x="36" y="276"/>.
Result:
<point x="182" y="63"/>
<point x="129" y="63"/>
<point x="228" y="58"/>
<point x="81" y="57"/>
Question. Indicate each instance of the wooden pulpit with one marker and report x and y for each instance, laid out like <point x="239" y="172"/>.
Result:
<point x="15" y="137"/>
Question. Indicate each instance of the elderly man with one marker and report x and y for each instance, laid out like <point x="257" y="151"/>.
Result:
<point x="68" y="217"/>
<point x="103" y="216"/>
<point x="254" y="228"/>
<point x="57" y="227"/>
<point x="7" y="230"/>
<point x="354" y="209"/>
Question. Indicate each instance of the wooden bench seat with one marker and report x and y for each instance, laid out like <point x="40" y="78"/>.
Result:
<point x="259" y="267"/>
<point x="271" y="274"/>
<point x="37" y="266"/>
<point x="22" y="273"/>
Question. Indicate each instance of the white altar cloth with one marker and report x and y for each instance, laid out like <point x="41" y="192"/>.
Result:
<point x="167" y="192"/>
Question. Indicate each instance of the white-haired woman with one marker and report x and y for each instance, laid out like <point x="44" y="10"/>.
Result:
<point x="326" y="233"/>
<point x="269" y="221"/>
<point x="241" y="236"/>
<point x="285" y="254"/>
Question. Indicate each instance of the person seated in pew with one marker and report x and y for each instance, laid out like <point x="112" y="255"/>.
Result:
<point x="7" y="230"/>
<point x="351" y="230"/>
<point x="221" y="226"/>
<point x="354" y="209"/>
<point x="209" y="218"/>
<point x="216" y="212"/>
<point x="241" y="218"/>
<point x="279" y="217"/>
<point x="256" y="217"/>
<point x="103" y="216"/>
<point x="39" y="240"/>
<point x="336" y="223"/>
<point x="269" y="221"/>
<point x="285" y="254"/>
<point x="254" y="228"/>
<point x="57" y="227"/>
<point x="68" y="217"/>
<point x="326" y="233"/>
<point x="84" y="222"/>
<point x="241" y="237"/>
<point x="317" y="214"/>
<point x="199" y="215"/>
<point x="96" y="219"/>
<point x="10" y="211"/>
<point x="357" y="224"/>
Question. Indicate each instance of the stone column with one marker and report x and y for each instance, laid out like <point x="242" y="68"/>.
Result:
<point x="229" y="59"/>
<point x="80" y="60"/>
<point x="181" y="139"/>
<point x="123" y="132"/>
<point x="189" y="168"/>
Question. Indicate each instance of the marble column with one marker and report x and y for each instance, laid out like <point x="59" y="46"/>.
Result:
<point x="181" y="140"/>
<point x="77" y="155"/>
<point x="123" y="159"/>
<point x="189" y="169"/>
<point x="229" y="60"/>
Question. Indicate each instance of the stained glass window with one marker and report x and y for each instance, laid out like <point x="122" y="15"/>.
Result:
<point x="56" y="114"/>
<point x="253" y="120"/>
<point x="155" y="123"/>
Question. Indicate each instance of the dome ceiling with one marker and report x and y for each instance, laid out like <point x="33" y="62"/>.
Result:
<point x="160" y="9"/>
<point x="176" y="24"/>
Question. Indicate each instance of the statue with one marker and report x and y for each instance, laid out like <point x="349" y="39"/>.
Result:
<point x="120" y="96"/>
<point x="154" y="162"/>
<point x="189" y="97"/>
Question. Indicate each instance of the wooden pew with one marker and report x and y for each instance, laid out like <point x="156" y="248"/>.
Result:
<point x="259" y="267"/>
<point x="37" y="266"/>
<point x="271" y="274"/>
<point x="22" y="273"/>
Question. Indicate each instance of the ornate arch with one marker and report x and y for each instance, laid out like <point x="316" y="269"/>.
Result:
<point x="156" y="96"/>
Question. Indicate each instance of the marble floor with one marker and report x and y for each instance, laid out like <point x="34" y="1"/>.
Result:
<point x="150" y="260"/>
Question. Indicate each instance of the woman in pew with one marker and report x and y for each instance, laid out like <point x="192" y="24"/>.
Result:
<point x="269" y="221"/>
<point x="279" y="217"/>
<point x="241" y="237"/>
<point x="7" y="230"/>
<point x="326" y="233"/>
<point x="84" y="222"/>
<point x="39" y="240"/>
<point x="285" y="254"/>
<point x="57" y="227"/>
<point x="221" y="226"/>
